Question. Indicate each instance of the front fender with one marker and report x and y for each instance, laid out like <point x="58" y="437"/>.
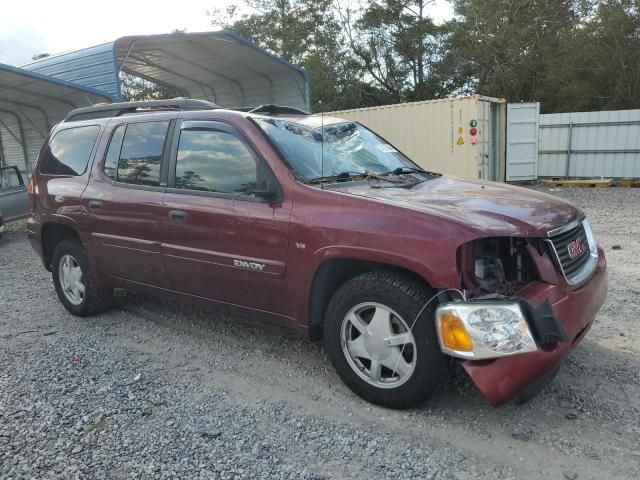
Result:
<point x="437" y="277"/>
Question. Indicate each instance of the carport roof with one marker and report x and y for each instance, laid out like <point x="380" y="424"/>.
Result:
<point x="221" y="67"/>
<point x="30" y="104"/>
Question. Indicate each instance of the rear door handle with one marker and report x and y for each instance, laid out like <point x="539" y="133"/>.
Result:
<point x="178" y="215"/>
<point x="95" y="204"/>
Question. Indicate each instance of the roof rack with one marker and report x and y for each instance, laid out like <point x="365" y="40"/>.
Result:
<point x="107" y="110"/>
<point x="277" y="110"/>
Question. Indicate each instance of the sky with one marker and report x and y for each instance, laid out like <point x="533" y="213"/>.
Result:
<point x="28" y="27"/>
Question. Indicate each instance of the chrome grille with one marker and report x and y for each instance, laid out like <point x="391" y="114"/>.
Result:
<point x="580" y="267"/>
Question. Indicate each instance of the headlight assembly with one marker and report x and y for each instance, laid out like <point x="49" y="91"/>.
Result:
<point x="483" y="330"/>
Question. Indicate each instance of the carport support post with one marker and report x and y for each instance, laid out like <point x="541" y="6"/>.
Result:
<point x="568" y="162"/>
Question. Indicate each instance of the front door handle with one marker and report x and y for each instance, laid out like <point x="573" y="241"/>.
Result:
<point x="178" y="215"/>
<point x="95" y="204"/>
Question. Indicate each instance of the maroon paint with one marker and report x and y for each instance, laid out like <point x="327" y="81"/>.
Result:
<point x="420" y="229"/>
<point x="502" y="379"/>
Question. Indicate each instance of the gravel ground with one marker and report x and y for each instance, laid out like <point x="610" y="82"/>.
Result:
<point x="153" y="389"/>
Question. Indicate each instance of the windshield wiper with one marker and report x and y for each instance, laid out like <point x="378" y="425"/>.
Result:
<point x="342" y="176"/>
<point x="403" y="170"/>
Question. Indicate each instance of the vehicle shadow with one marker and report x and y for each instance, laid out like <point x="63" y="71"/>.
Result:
<point x="602" y="382"/>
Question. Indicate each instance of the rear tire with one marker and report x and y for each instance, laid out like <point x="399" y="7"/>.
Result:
<point x="374" y="349"/>
<point x="74" y="283"/>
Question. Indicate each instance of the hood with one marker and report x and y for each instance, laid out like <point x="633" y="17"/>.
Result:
<point x="499" y="208"/>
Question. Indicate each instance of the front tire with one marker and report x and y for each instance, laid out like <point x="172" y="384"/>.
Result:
<point x="74" y="283"/>
<point x="374" y="344"/>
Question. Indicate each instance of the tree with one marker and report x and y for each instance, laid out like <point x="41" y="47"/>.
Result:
<point x="306" y="33"/>
<point x="505" y="48"/>
<point x="570" y="55"/>
<point x="600" y="67"/>
<point x="135" y="89"/>
<point x="401" y="48"/>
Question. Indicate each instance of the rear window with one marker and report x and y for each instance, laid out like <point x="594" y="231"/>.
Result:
<point x="69" y="150"/>
<point x="141" y="153"/>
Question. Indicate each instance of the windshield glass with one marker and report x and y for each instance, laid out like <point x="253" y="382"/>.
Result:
<point x="348" y="148"/>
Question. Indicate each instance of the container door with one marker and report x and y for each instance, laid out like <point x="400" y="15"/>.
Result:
<point x="523" y="120"/>
<point x="494" y="143"/>
<point x="483" y="140"/>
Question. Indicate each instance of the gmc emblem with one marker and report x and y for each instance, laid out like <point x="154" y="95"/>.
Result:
<point x="576" y="247"/>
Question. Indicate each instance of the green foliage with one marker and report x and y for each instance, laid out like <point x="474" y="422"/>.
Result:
<point x="307" y="33"/>
<point x="401" y="48"/>
<point x="135" y="89"/>
<point x="39" y="56"/>
<point x="568" y="54"/>
<point x="600" y="68"/>
<point x="506" y="48"/>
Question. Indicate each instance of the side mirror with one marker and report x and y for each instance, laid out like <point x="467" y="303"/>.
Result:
<point x="267" y="189"/>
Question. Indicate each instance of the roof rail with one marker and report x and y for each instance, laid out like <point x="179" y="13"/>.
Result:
<point x="277" y="110"/>
<point x="107" y="110"/>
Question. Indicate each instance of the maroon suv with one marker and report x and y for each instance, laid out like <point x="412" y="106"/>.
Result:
<point x="321" y="225"/>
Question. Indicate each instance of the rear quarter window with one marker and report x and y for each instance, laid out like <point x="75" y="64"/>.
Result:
<point x="69" y="151"/>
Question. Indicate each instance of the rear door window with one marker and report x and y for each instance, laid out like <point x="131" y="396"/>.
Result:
<point x="69" y="151"/>
<point x="141" y="153"/>
<point x="214" y="161"/>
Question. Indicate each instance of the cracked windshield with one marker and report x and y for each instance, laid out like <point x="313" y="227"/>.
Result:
<point x="349" y="149"/>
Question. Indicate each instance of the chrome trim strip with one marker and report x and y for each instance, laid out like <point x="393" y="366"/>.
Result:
<point x="565" y="228"/>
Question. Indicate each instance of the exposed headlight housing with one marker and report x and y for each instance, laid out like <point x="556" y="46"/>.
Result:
<point x="483" y="330"/>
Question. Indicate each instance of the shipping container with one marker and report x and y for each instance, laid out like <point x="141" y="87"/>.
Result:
<point x="463" y="136"/>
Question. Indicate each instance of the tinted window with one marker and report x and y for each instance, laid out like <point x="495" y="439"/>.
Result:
<point x="69" y="151"/>
<point x="141" y="153"/>
<point x="214" y="161"/>
<point x="113" y="153"/>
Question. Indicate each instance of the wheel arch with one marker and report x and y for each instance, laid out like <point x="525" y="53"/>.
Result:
<point x="333" y="273"/>
<point x="53" y="233"/>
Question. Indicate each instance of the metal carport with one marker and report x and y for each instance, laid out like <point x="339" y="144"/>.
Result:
<point x="221" y="67"/>
<point x="30" y="104"/>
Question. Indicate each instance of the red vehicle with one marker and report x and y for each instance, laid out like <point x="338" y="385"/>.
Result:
<point x="321" y="225"/>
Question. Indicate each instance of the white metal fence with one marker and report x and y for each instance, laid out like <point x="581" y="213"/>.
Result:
<point x="589" y="144"/>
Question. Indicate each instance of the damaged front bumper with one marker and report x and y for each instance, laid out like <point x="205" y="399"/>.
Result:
<point x="503" y="379"/>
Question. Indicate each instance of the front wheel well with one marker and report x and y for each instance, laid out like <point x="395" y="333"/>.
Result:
<point x="52" y="234"/>
<point x="334" y="273"/>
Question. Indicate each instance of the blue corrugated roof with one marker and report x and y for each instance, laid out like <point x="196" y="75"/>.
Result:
<point x="93" y="67"/>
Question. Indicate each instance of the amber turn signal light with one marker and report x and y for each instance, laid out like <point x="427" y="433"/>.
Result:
<point x="453" y="334"/>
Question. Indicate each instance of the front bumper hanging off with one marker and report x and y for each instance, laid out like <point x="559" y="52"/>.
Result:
<point x="503" y="379"/>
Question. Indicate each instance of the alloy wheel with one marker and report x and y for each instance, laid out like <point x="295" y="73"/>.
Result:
<point x="378" y="345"/>
<point x="71" y="279"/>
